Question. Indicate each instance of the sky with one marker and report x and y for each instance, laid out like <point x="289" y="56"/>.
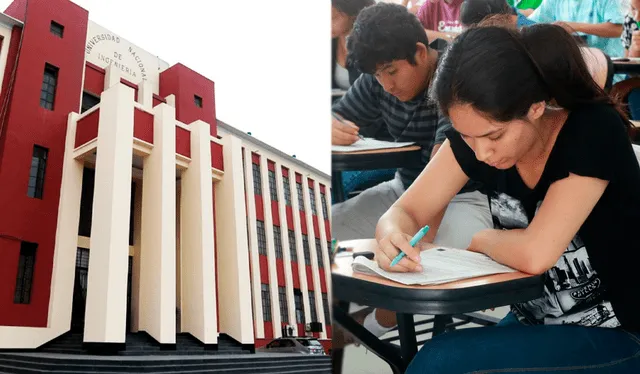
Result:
<point x="269" y="61"/>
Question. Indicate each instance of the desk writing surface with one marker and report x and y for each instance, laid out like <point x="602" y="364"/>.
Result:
<point x="342" y="267"/>
<point x="409" y="148"/>
<point x="369" y="144"/>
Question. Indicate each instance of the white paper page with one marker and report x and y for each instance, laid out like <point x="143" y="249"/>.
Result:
<point x="368" y="144"/>
<point x="439" y="265"/>
<point x="338" y="92"/>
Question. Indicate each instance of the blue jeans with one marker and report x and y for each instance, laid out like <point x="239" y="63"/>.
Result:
<point x="511" y="347"/>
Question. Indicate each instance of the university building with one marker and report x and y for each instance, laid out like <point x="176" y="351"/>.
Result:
<point x="127" y="207"/>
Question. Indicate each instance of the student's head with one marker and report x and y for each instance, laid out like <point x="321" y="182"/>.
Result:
<point x="389" y="42"/>
<point x="635" y="9"/>
<point x="344" y="13"/>
<point x="475" y="11"/>
<point x="494" y="83"/>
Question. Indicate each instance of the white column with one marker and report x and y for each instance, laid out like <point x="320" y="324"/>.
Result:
<point x="234" y="289"/>
<point x="325" y="253"/>
<point x="145" y="95"/>
<point x="64" y="255"/>
<point x="253" y="246"/>
<point x="106" y="307"/>
<point x="302" y="272"/>
<point x="197" y="249"/>
<point x="314" y="254"/>
<point x="286" y="254"/>
<point x="157" y="255"/>
<point x="271" y="253"/>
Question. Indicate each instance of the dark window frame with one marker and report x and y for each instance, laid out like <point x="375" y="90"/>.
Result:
<point x="197" y="100"/>
<point x="257" y="179"/>
<point x="37" y="173"/>
<point x="287" y="190"/>
<point x="284" y="305"/>
<point x="265" y="293"/>
<point x="300" y="192"/>
<point x="56" y="29"/>
<point x="277" y="241"/>
<point x="262" y="237"/>
<point x="273" y="188"/>
<point x="26" y="271"/>
<point x="49" y="86"/>
<point x="292" y="246"/>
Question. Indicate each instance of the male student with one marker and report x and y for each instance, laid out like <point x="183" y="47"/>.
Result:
<point x="600" y="21"/>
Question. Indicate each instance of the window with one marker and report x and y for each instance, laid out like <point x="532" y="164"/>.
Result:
<point x="305" y="248"/>
<point x="319" y="253"/>
<point x="36" y="175"/>
<point x="287" y="190"/>
<point x="197" y="100"/>
<point x="262" y="238"/>
<point x="24" y="281"/>
<point x="49" y="83"/>
<point x="300" y="196"/>
<point x="89" y="100"/>
<point x="325" y="213"/>
<point x="312" y="197"/>
<point x="266" y="303"/>
<point x="257" y="180"/>
<point x="292" y="246"/>
<point x="272" y="186"/>
<point x="277" y="241"/>
<point x="325" y="306"/>
<point x="56" y="29"/>
<point x="284" y="307"/>
<point x="297" y="298"/>
<point x="312" y="306"/>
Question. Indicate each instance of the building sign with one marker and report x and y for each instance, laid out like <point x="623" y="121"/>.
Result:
<point x="105" y="48"/>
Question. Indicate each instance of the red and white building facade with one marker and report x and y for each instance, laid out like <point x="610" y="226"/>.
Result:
<point x="126" y="206"/>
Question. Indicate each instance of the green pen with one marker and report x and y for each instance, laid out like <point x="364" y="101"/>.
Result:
<point x="416" y="238"/>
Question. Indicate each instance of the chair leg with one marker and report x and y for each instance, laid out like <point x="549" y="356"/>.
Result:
<point x="408" y="339"/>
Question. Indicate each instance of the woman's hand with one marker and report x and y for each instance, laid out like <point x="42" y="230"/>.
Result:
<point x="390" y="246"/>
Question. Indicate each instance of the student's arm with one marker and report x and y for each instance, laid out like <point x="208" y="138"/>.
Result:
<point x="359" y="109"/>
<point x="545" y="13"/>
<point x="634" y="49"/>
<point x="605" y="29"/>
<point x="422" y="203"/>
<point x="537" y="248"/>
<point x="361" y="105"/>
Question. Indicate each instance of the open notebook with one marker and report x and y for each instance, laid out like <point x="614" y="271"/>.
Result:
<point x="439" y="265"/>
<point x="369" y="144"/>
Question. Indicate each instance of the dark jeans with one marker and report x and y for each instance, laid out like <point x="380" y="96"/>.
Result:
<point x="511" y="347"/>
<point x="634" y="104"/>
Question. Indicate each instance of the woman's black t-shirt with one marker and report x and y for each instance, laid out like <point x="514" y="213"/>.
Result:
<point x="596" y="282"/>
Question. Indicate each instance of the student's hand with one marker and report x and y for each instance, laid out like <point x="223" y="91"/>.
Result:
<point x="390" y="246"/>
<point x="635" y="41"/>
<point x="343" y="134"/>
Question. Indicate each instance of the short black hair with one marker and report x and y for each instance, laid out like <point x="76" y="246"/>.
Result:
<point x="474" y="11"/>
<point x="351" y="7"/>
<point x="383" y="33"/>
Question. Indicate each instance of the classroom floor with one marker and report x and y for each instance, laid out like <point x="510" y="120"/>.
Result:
<point x="358" y="360"/>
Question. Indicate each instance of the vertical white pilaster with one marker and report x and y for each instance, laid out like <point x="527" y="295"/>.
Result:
<point x="157" y="257"/>
<point x="105" y="316"/>
<point x="197" y="249"/>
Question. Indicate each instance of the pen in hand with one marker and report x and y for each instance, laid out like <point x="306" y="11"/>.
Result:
<point x="341" y="120"/>
<point x="416" y="238"/>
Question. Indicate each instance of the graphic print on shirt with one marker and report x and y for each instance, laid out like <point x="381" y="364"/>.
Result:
<point x="449" y="26"/>
<point x="573" y="292"/>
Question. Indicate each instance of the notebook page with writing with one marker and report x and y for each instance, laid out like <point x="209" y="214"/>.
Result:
<point x="439" y="265"/>
<point x="369" y="144"/>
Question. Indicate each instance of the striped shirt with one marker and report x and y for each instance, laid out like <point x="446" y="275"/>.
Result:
<point x="382" y="116"/>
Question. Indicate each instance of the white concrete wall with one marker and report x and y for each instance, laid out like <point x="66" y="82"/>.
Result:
<point x="197" y="243"/>
<point x="105" y="317"/>
<point x="236" y="318"/>
<point x="157" y="255"/>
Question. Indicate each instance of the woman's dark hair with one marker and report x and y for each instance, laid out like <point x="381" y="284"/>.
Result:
<point x="501" y="72"/>
<point x="383" y="33"/>
<point x="351" y="7"/>
<point x="474" y="11"/>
